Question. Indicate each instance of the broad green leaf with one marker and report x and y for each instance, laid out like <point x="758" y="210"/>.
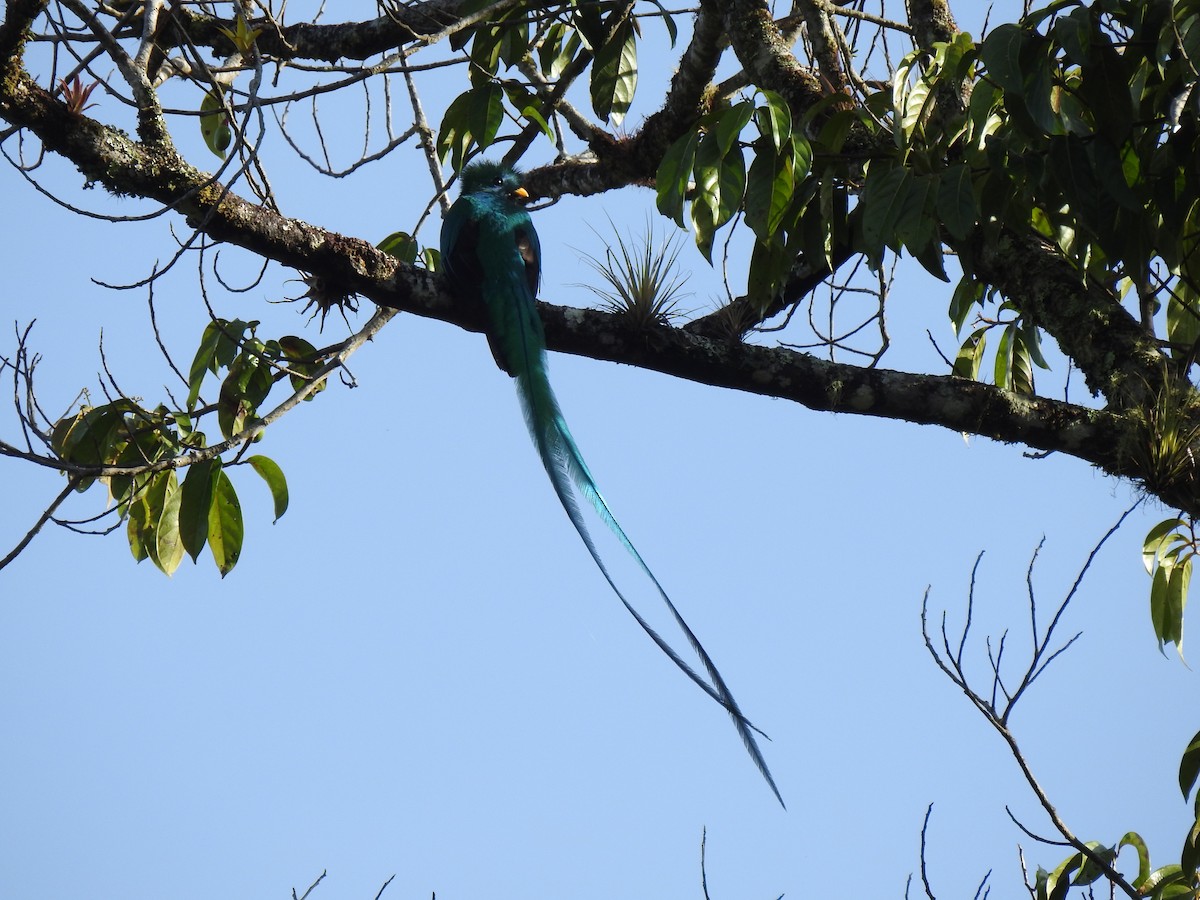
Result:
<point x="1031" y="341"/>
<point x="559" y="49"/>
<point x="168" y="546"/>
<point x="214" y="124"/>
<point x="401" y="245"/>
<point x="225" y="525"/>
<point x="769" y="191"/>
<point x="1167" y="875"/>
<point x="1041" y="94"/>
<point x="614" y="75"/>
<point x="915" y="226"/>
<point x="273" y="476"/>
<point x="1073" y="32"/>
<point x="970" y="355"/>
<point x="203" y="361"/>
<point x="485" y="53"/>
<point x="1183" y="319"/>
<point x="911" y="116"/>
<point x="303" y="363"/>
<point x="730" y="124"/>
<point x="768" y="266"/>
<point x="732" y="179"/>
<point x="775" y="119"/>
<point x="1075" y="176"/>
<point x="802" y="155"/>
<point x="1004" y="360"/>
<point x="514" y="41"/>
<point x="1189" y="766"/>
<point x="487" y="113"/>
<point x="153" y="501"/>
<point x="704" y="223"/>
<point x="956" y="207"/>
<point x="1021" y="372"/>
<point x="1181" y="576"/>
<point x="138" y="529"/>
<point x="454" y="136"/>
<point x="1155" y="539"/>
<point x="1189" y="859"/>
<point x="528" y="106"/>
<point x="883" y="202"/>
<point x="196" y="500"/>
<point x="1001" y="55"/>
<point x="231" y="336"/>
<point x="706" y="201"/>
<point x="144" y="443"/>
<point x="967" y="294"/>
<point x="674" y="175"/>
<point x="1134" y="840"/>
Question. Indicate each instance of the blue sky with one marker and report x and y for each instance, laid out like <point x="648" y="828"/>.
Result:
<point x="418" y="670"/>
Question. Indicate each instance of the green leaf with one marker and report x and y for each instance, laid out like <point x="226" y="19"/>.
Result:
<point x="769" y="191"/>
<point x="401" y="245"/>
<point x="614" y="75"/>
<point x="802" y="155"/>
<point x="1031" y="341"/>
<point x="487" y="113"/>
<point x="1133" y="839"/>
<point x="514" y="41"/>
<point x="883" y="202"/>
<point x="1001" y="55"/>
<point x="730" y="124"/>
<point x="956" y="207"/>
<point x="775" y="119"/>
<point x="732" y="185"/>
<point x="454" y="136"/>
<point x="138" y="528"/>
<point x="203" y="361"/>
<point x="303" y="363"/>
<point x="1168" y="597"/>
<point x="485" y="53"/>
<point x="215" y="127"/>
<point x="674" y="174"/>
<point x="168" y="548"/>
<point x="970" y="355"/>
<point x="195" y="504"/>
<point x="225" y="525"/>
<point x="967" y="294"/>
<point x="768" y="266"/>
<point x="1155" y="540"/>
<point x="1189" y="766"/>
<point x="669" y="21"/>
<point x="528" y="106"/>
<point x="1183" y="318"/>
<point x="558" y="50"/>
<point x="273" y="476"/>
<point x="706" y="201"/>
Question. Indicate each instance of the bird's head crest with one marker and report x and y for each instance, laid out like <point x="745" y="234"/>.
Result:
<point x="486" y="177"/>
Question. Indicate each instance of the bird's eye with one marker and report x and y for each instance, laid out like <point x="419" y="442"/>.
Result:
<point x="499" y="182"/>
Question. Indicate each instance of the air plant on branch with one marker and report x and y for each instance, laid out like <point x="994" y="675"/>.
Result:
<point x="642" y="278"/>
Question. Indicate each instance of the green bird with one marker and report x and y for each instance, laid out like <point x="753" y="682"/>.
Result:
<point x="492" y="257"/>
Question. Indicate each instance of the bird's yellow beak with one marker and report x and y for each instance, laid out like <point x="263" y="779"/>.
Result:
<point x="521" y="193"/>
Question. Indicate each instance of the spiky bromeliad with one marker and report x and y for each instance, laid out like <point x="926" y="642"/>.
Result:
<point x="492" y="256"/>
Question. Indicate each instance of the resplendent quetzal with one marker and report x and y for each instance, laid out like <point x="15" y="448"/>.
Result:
<point x="492" y="256"/>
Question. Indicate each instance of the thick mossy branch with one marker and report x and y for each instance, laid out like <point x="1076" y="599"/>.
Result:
<point x="931" y="21"/>
<point x="765" y="55"/>
<point x="1116" y="356"/>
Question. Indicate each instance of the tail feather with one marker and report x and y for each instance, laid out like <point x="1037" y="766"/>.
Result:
<point x="566" y="468"/>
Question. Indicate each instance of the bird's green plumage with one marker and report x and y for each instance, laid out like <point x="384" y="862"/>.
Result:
<point x="492" y="256"/>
